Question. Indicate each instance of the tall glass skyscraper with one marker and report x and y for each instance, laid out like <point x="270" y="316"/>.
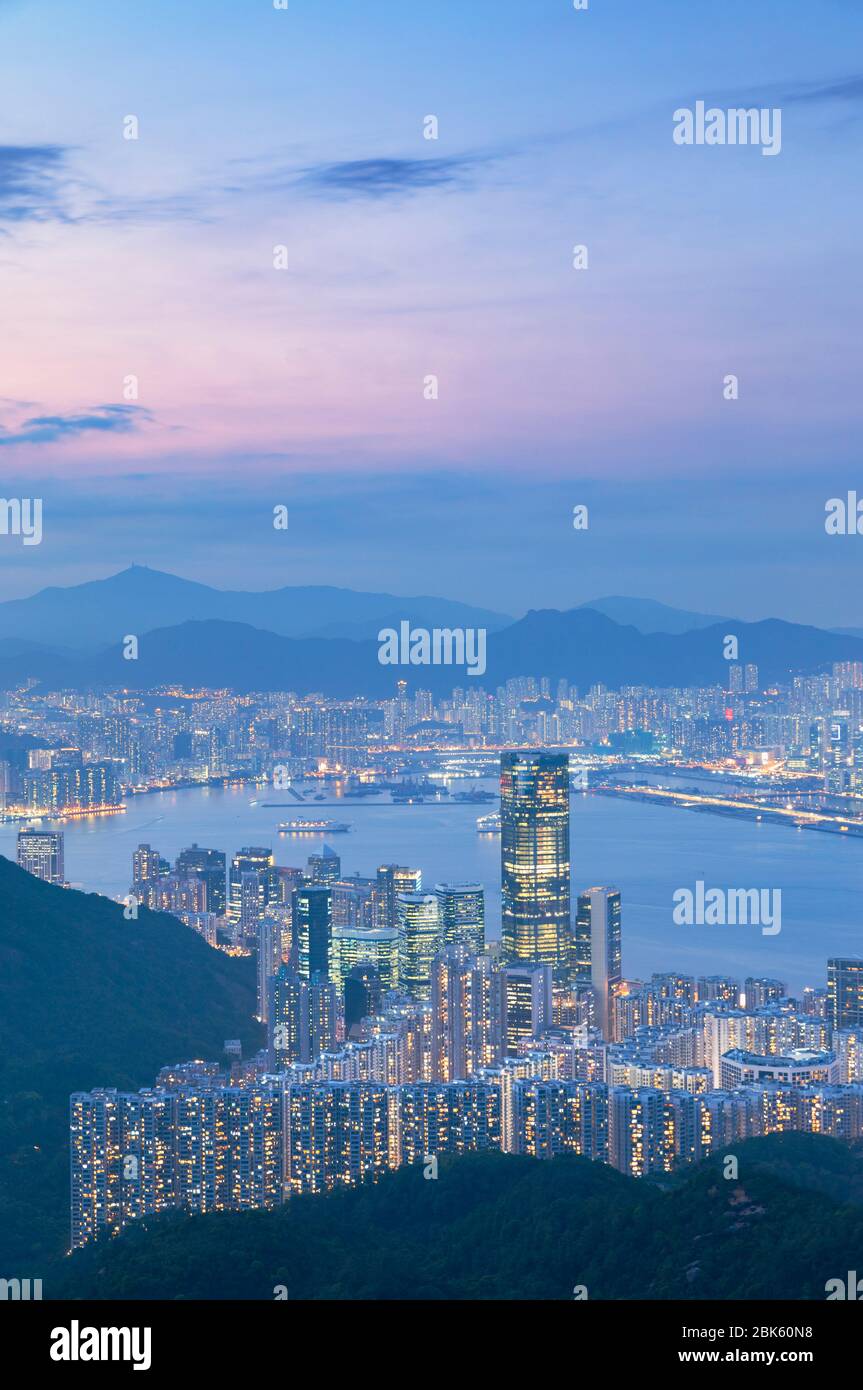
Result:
<point x="313" y="930"/>
<point x="535" y="868"/>
<point x="845" y="991"/>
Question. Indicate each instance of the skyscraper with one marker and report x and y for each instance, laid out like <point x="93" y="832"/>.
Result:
<point x="598" y="949"/>
<point x="524" y="1008"/>
<point x="419" y="941"/>
<point x="210" y="865"/>
<point x="463" y="1014"/>
<point x="313" y="930"/>
<point x="40" y="852"/>
<point x="461" y="908"/>
<point x="535" y="867"/>
<point x="845" y="991"/>
<point x="253" y="860"/>
<point x="362" y="995"/>
<point x="393" y="880"/>
<point x="325" y="867"/>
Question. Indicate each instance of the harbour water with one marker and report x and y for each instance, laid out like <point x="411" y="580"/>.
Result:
<point x="648" y="851"/>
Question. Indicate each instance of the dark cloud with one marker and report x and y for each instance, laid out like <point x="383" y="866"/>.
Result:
<point x="47" y="429"/>
<point x="388" y="178"/>
<point x="31" y="178"/>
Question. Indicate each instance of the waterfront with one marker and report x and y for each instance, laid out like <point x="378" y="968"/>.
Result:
<point x="648" y="851"/>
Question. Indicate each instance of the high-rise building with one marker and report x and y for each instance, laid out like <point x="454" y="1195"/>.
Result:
<point x="461" y="908"/>
<point x="362" y="996"/>
<point x="419" y="941"/>
<point x="393" y="881"/>
<point x="845" y="991"/>
<point x="148" y="865"/>
<point x="325" y="867"/>
<point x="463" y="1014"/>
<point x="761" y="991"/>
<point x="302" y="1018"/>
<point x="273" y="950"/>
<point x="313" y="930"/>
<point x="535" y="866"/>
<point x="40" y="852"/>
<point x="525" y="1007"/>
<point x="358" y="946"/>
<point x="598" y="957"/>
<point x="209" y="864"/>
<point x="252" y="859"/>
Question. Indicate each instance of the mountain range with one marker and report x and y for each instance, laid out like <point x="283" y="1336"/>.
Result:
<point x="87" y="617"/>
<point x="325" y="640"/>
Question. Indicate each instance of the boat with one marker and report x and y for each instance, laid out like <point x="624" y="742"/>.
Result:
<point x="477" y="797"/>
<point x="488" y="825"/>
<point x="313" y="827"/>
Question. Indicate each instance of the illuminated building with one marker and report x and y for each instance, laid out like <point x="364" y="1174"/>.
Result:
<point x="335" y="1134"/>
<point x="641" y="1131"/>
<point x="40" y="852"/>
<point x="461" y="908"/>
<point x="535" y="866"/>
<point x="525" y="1004"/>
<point x="800" y="1068"/>
<point x="313" y="930"/>
<point x="252" y="874"/>
<point x="845" y="991"/>
<point x="209" y="864"/>
<point x="353" y="946"/>
<point x="419" y="941"/>
<point x="325" y="867"/>
<point x="394" y="880"/>
<point x="758" y="993"/>
<point x="848" y="1046"/>
<point x="147" y="866"/>
<point x="598" y="949"/>
<point x="301" y="1023"/>
<point x="463" y="1014"/>
<point x="72" y="789"/>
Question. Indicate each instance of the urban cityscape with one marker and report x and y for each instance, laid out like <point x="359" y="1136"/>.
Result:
<point x="402" y="1023"/>
<point x="431" y="673"/>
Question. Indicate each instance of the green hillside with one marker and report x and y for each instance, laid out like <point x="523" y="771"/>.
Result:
<point x="497" y="1227"/>
<point x="88" y="999"/>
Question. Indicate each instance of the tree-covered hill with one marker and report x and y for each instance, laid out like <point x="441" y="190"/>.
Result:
<point x="493" y="1226"/>
<point x="88" y="999"/>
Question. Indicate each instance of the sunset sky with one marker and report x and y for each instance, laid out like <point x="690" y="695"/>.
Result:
<point x="408" y="257"/>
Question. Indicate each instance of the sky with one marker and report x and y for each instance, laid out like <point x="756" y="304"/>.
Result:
<point x="164" y="385"/>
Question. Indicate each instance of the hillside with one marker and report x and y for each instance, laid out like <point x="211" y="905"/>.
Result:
<point x="583" y="645"/>
<point x="90" y="999"/>
<point x="498" y="1227"/>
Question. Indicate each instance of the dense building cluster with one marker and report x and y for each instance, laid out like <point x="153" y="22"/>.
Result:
<point x="396" y="1033"/>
